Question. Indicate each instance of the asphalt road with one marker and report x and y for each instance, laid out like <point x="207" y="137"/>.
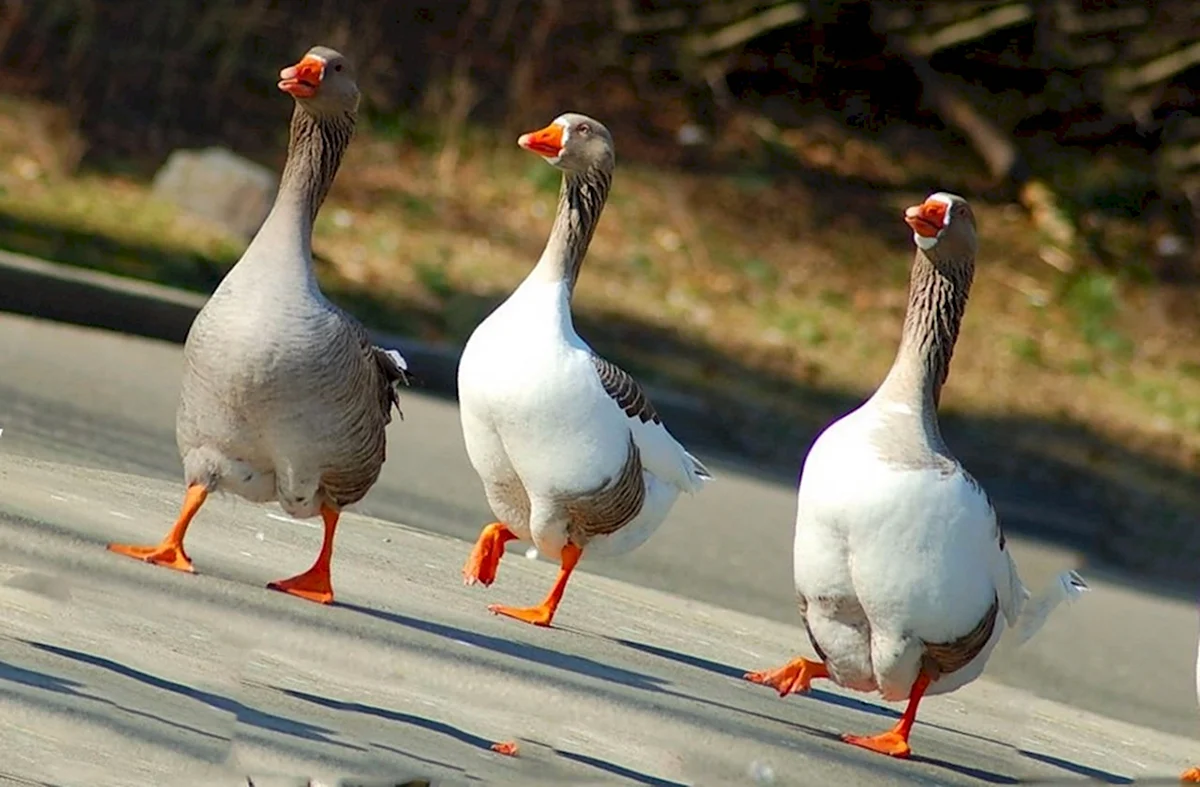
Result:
<point x="84" y="398"/>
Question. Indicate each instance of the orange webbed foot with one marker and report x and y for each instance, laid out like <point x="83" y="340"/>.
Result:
<point x="312" y="585"/>
<point x="890" y="743"/>
<point x="540" y="615"/>
<point x="894" y="742"/>
<point x="794" y="677"/>
<point x="543" y="613"/>
<point x="1191" y="775"/>
<point x="165" y="554"/>
<point x="507" y="748"/>
<point x="315" y="584"/>
<point x="484" y="560"/>
<point x="169" y="552"/>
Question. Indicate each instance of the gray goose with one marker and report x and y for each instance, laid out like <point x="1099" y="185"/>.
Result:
<point x="904" y="578"/>
<point x="284" y="398"/>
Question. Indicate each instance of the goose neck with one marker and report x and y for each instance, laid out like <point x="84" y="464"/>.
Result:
<point x="580" y="202"/>
<point x="282" y="249"/>
<point x="936" y="302"/>
<point x="316" y="146"/>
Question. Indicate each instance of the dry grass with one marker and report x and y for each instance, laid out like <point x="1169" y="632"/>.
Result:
<point x="797" y="284"/>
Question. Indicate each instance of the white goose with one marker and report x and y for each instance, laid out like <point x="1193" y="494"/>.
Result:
<point x="1192" y="775"/>
<point x="571" y="453"/>
<point x="284" y="397"/>
<point x="901" y="571"/>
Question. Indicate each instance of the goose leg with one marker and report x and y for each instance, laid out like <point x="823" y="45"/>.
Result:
<point x="484" y="561"/>
<point x="170" y="552"/>
<point x="894" y="742"/>
<point x="795" y="676"/>
<point x="542" y="614"/>
<point x="1191" y="775"/>
<point x="315" y="584"/>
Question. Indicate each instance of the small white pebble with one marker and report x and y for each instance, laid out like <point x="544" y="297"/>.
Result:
<point x="1170" y="245"/>
<point x="691" y="134"/>
<point x="531" y="553"/>
<point x="26" y="168"/>
<point x="762" y="773"/>
<point x="387" y="540"/>
<point x="774" y="336"/>
<point x="261" y="536"/>
<point x="668" y="239"/>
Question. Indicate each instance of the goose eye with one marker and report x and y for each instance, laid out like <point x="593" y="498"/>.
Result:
<point x="337" y="67"/>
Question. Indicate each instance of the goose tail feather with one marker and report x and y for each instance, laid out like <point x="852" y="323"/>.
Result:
<point x="1067" y="586"/>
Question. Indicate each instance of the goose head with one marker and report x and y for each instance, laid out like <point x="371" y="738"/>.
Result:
<point x="943" y="227"/>
<point x="573" y="142"/>
<point x="323" y="82"/>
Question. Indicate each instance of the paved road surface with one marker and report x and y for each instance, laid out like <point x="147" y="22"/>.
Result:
<point x="117" y="673"/>
<point x="89" y="398"/>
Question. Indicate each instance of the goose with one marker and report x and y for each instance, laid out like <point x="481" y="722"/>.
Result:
<point x="571" y="452"/>
<point x="284" y="397"/>
<point x="902" y="573"/>
<point x="1192" y="775"/>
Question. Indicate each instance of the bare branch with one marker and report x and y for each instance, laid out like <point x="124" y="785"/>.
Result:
<point x="744" y="30"/>
<point x="970" y="29"/>
<point x="631" y="22"/>
<point x="1160" y="69"/>
<point x="992" y="144"/>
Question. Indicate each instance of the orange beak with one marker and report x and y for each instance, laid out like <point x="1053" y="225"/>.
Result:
<point x="926" y="219"/>
<point x="303" y="79"/>
<point x="546" y="142"/>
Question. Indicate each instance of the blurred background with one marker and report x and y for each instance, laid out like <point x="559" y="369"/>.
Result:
<point x="752" y="257"/>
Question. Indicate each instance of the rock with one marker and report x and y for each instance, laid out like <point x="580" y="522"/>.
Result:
<point x="220" y="186"/>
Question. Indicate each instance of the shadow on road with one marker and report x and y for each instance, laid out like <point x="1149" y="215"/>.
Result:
<point x="990" y="777"/>
<point x="243" y="713"/>
<point x="466" y="737"/>
<point x="618" y="770"/>
<point x="39" y="680"/>
<point x="53" y="683"/>
<point x="849" y="703"/>
<point x="1082" y="770"/>
<point x="428" y="761"/>
<point x="383" y="713"/>
<point x="519" y="650"/>
<point x="734" y="673"/>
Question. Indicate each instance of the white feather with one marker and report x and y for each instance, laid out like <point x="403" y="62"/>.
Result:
<point x="1067" y="586"/>
<point x="397" y="359"/>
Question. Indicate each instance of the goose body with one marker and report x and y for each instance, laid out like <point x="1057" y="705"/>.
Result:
<point x="545" y="434"/>
<point x="903" y="576"/>
<point x="571" y="453"/>
<point x="895" y="552"/>
<point x="1192" y="775"/>
<point x="283" y="397"/>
